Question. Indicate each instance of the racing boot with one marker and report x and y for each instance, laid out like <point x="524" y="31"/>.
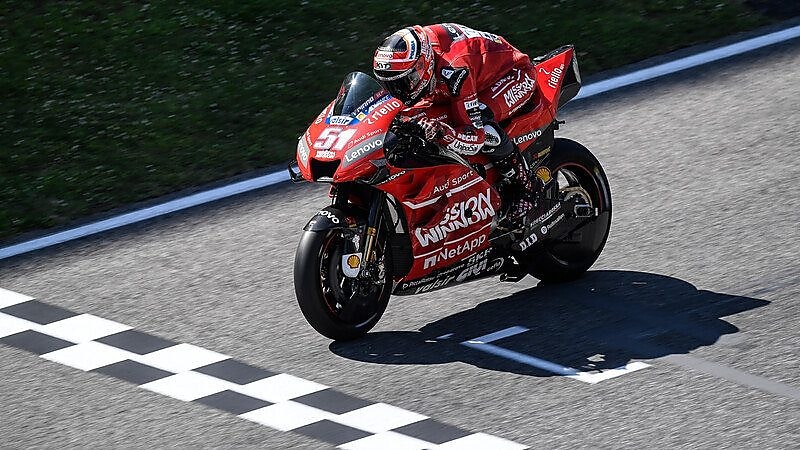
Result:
<point x="517" y="189"/>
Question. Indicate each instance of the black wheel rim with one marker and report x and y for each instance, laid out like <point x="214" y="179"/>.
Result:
<point x="340" y="294"/>
<point x="583" y="243"/>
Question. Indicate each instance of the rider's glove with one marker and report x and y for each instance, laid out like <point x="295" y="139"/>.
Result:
<point x="437" y="131"/>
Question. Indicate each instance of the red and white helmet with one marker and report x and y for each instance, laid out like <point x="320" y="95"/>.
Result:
<point x="403" y="64"/>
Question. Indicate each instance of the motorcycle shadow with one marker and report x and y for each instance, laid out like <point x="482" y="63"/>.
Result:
<point x="602" y="321"/>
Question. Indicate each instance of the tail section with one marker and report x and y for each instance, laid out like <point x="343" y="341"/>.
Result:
<point x="558" y="76"/>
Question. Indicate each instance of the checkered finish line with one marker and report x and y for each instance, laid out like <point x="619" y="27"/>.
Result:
<point x="193" y="374"/>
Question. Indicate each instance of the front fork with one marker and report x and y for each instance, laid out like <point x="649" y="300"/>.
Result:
<point x="369" y="237"/>
<point x="374" y="220"/>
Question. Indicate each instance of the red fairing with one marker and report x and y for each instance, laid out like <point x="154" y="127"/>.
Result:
<point x="304" y="143"/>
<point x="350" y="141"/>
<point x="525" y="129"/>
<point x="550" y="76"/>
<point x="449" y="208"/>
<point x="449" y="211"/>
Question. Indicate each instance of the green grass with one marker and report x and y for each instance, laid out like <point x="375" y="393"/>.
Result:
<point x="108" y="103"/>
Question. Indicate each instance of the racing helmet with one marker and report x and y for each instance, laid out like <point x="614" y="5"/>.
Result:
<point x="403" y="64"/>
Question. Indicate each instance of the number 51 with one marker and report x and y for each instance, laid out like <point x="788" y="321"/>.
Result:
<point x="333" y="137"/>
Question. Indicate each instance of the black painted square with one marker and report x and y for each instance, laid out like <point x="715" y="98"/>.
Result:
<point x="35" y="342"/>
<point x="235" y="371"/>
<point x="233" y="402"/>
<point x="432" y="431"/>
<point x="38" y="312"/>
<point x="332" y="401"/>
<point x="136" y="342"/>
<point x="331" y="432"/>
<point x="133" y="372"/>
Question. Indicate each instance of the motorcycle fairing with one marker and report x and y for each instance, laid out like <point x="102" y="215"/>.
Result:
<point x="558" y="80"/>
<point x="340" y="137"/>
<point x="488" y="262"/>
<point x="557" y="71"/>
<point x="449" y="210"/>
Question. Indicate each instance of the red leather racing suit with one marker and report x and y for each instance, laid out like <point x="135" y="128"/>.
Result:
<point x="474" y="67"/>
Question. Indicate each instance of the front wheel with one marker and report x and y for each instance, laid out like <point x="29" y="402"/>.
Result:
<point x="337" y="306"/>
<point x="577" y="171"/>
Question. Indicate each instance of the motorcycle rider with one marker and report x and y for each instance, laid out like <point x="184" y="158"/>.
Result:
<point x="480" y="77"/>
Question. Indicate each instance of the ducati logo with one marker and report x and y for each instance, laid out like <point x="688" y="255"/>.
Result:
<point x="447" y="73"/>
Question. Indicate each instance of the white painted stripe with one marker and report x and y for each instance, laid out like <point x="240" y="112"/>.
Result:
<point x="221" y="192"/>
<point x="483" y="344"/>
<point x="12" y="325"/>
<point x="688" y="62"/>
<point x="87" y="356"/>
<point x="181" y="358"/>
<point x="523" y="358"/>
<point x="388" y="440"/>
<point x="145" y="213"/>
<point x="286" y="416"/>
<point x="82" y="328"/>
<point x="279" y="388"/>
<point x="497" y="335"/>
<point x="379" y="418"/>
<point x="8" y="298"/>
<point x="188" y="386"/>
<point x="596" y="377"/>
<point x="480" y="441"/>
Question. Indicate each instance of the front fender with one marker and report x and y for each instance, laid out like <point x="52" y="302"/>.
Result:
<point x="328" y="218"/>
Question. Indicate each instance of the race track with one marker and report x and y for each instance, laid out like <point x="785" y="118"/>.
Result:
<point x="699" y="280"/>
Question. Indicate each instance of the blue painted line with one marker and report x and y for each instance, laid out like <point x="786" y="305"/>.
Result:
<point x="278" y="177"/>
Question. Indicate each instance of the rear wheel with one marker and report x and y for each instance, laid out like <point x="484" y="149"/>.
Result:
<point x="337" y="306"/>
<point x="578" y="173"/>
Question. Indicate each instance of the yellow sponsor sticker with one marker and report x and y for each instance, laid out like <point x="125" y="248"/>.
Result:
<point x="353" y="261"/>
<point x="543" y="173"/>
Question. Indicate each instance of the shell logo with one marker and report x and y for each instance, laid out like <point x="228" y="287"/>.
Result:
<point x="353" y="261"/>
<point x="543" y="173"/>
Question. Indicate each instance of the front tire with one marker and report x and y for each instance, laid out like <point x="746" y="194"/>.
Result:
<point x="574" y="166"/>
<point x="323" y="292"/>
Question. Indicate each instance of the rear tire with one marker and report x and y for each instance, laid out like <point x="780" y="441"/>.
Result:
<point x="558" y="261"/>
<point x="318" y="281"/>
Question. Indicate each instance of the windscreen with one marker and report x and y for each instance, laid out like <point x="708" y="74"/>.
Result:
<point x="357" y="93"/>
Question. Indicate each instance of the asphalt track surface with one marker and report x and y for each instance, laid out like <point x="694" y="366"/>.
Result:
<point x="699" y="279"/>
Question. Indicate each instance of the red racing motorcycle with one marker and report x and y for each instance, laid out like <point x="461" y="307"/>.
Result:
<point x="407" y="217"/>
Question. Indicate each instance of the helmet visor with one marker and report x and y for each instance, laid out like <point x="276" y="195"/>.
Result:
<point x="404" y="87"/>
